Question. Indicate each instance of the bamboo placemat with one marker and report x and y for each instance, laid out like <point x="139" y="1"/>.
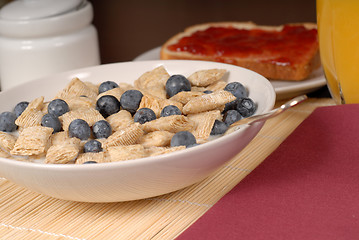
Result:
<point x="28" y="215"/>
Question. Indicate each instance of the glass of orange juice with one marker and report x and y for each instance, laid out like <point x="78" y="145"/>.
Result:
<point x="338" y="33"/>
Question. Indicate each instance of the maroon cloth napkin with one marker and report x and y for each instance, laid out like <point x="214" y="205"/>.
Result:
<point x="308" y="188"/>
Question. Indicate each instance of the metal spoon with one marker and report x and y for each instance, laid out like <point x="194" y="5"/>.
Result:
<point x="264" y="116"/>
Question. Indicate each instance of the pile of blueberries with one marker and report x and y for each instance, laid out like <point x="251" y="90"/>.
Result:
<point x="240" y="108"/>
<point x="130" y="100"/>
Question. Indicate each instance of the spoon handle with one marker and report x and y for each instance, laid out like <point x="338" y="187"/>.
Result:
<point x="277" y="111"/>
<point x="264" y="116"/>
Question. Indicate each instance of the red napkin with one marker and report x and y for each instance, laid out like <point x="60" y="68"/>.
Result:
<point x="308" y="188"/>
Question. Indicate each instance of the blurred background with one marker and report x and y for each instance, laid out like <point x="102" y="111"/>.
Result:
<point x="129" y="28"/>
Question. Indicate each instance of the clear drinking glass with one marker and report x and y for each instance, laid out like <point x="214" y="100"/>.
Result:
<point x="338" y="32"/>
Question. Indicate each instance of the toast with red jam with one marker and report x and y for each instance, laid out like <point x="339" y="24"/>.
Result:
<point x="286" y="52"/>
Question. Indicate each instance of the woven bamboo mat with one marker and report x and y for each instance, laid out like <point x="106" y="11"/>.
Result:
<point x="28" y="215"/>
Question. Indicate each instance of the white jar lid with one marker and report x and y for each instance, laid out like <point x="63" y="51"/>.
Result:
<point x="37" y="9"/>
<point x="52" y="25"/>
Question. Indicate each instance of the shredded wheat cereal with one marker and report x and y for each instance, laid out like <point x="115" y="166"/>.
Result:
<point x="129" y="140"/>
<point x="32" y="141"/>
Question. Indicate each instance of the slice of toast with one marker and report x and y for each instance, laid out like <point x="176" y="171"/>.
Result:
<point x="286" y="52"/>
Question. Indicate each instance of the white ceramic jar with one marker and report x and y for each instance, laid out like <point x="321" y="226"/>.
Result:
<point x="42" y="37"/>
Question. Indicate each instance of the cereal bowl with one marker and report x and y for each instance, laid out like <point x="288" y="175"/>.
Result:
<point x="138" y="178"/>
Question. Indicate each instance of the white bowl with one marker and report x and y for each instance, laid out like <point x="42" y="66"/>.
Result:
<point x="140" y="178"/>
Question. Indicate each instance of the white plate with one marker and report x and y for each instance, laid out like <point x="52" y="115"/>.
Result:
<point x="283" y="89"/>
<point x="139" y="178"/>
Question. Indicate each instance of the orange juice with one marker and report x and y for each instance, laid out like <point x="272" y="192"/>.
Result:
<point x="338" y="32"/>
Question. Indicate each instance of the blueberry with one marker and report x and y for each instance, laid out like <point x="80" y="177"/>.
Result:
<point x="231" y="116"/>
<point x="108" y="105"/>
<point x="20" y="107"/>
<point x="144" y="115"/>
<point x="170" y="110"/>
<point x="89" y="162"/>
<point x="230" y="106"/>
<point x="130" y="100"/>
<point x="183" y="138"/>
<point x="246" y="107"/>
<point x="207" y="91"/>
<point x="93" y="146"/>
<point x="101" y="129"/>
<point x="177" y="83"/>
<point x="105" y="86"/>
<point x="237" y="89"/>
<point x="51" y="121"/>
<point x="193" y="145"/>
<point x="79" y="128"/>
<point x="57" y="107"/>
<point x="7" y="122"/>
<point x="219" y="127"/>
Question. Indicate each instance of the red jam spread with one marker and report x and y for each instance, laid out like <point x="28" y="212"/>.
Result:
<point x="285" y="47"/>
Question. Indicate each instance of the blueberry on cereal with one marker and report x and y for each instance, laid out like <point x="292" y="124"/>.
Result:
<point x="51" y="121"/>
<point x="193" y="145"/>
<point x="144" y="115"/>
<point x="130" y="100"/>
<point x="177" y="83"/>
<point x="89" y="162"/>
<point x="208" y="91"/>
<point x="170" y="110"/>
<point x="246" y="107"/>
<point x="58" y="107"/>
<point x="219" y="127"/>
<point x="108" y="105"/>
<point x="101" y="129"/>
<point x="183" y="138"/>
<point x="79" y="128"/>
<point x="237" y="89"/>
<point x="105" y="86"/>
<point x="230" y="106"/>
<point x="93" y="146"/>
<point x="20" y="108"/>
<point x="7" y="122"/>
<point x="231" y="116"/>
